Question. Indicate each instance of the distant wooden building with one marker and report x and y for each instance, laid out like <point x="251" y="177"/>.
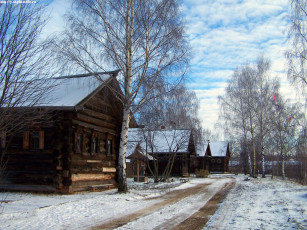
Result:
<point x="199" y="163"/>
<point x="77" y="148"/>
<point x="161" y="145"/>
<point x="213" y="157"/>
<point x="218" y="155"/>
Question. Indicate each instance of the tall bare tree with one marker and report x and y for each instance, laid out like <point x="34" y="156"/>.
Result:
<point x="285" y="127"/>
<point x="257" y="118"/>
<point x="24" y="62"/>
<point x="266" y="88"/>
<point x="247" y="108"/>
<point x="177" y="108"/>
<point x="143" y="38"/>
<point x="297" y="55"/>
<point x="234" y="111"/>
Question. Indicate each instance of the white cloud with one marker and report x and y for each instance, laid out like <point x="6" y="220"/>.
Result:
<point x="225" y="34"/>
<point x="56" y="23"/>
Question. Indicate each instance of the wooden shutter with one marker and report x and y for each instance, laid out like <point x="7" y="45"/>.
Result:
<point x="26" y="140"/>
<point x="41" y="139"/>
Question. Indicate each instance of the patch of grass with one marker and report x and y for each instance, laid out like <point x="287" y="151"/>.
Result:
<point x="202" y="173"/>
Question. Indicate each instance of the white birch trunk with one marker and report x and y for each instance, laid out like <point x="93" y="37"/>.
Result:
<point x="122" y="177"/>
<point x="283" y="166"/>
<point x="250" y="164"/>
<point x="254" y="148"/>
<point x="263" y="165"/>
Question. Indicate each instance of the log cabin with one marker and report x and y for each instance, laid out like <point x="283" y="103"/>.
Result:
<point x="76" y="147"/>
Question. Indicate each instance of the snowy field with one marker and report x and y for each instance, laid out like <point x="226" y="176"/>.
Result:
<point x="262" y="204"/>
<point x="255" y="204"/>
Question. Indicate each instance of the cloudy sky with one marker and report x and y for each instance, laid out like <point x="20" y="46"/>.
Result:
<point x="223" y="35"/>
<point x="227" y="33"/>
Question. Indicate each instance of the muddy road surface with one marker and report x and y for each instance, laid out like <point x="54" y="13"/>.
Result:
<point x="188" y="208"/>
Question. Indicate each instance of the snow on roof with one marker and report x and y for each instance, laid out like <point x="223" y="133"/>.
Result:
<point x="136" y="135"/>
<point x="70" y="91"/>
<point x="131" y="147"/>
<point x="218" y="148"/>
<point x="162" y="141"/>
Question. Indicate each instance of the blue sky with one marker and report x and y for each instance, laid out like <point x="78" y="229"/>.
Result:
<point x="223" y="34"/>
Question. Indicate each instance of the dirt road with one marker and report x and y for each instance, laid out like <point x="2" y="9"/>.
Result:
<point x="188" y="208"/>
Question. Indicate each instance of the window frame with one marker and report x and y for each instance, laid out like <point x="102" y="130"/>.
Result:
<point x="79" y="142"/>
<point x="109" y="145"/>
<point x="28" y="140"/>
<point x="95" y="143"/>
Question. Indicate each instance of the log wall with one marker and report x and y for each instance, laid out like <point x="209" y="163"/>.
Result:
<point x="79" y="150"/>
<point x="30" y="165"/>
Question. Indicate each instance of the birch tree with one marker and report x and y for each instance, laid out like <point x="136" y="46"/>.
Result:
<point x="144" y="39"/>
<point x="286" y="121"/>
<point x="248" y="82"/>
<point x="266" y="87"/>
<point x="296" y="55"/>
<point x="234" y="111"/>
<point x="247" y="108"/>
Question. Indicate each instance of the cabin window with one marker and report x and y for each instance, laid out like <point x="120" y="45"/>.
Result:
<point x="102" y="146"/>
<point x="109" y="144"/>
<point x="219" y="161"/>
<point x="49" y="140"/>
<point x="16" y="141"/>
<point x="33" y="140"/>
<point x="109" y="147"/>
<point x="79" y="142"/>
<point x="95" y="145"/>
<point x="87" y="143"/>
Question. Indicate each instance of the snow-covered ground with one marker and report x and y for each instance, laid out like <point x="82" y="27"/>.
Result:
<point x="83" y="210"/>
<point x="255" y="204"/>
<point x="262" y="204"/>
